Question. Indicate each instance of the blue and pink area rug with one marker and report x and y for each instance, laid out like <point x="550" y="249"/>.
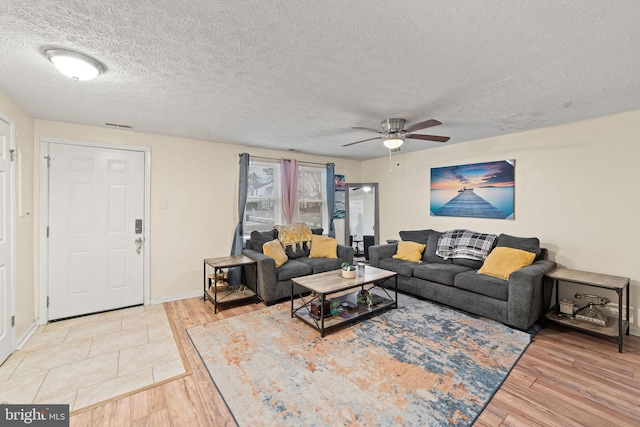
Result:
<point x="419" y="365"/>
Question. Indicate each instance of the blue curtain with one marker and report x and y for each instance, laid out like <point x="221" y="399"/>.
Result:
<point x="235" y="274"/>
<point x="331" y="196"/>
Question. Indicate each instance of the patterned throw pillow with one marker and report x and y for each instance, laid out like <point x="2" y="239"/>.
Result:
<point x="295" y="251"/>
<point x="294" y="234"/>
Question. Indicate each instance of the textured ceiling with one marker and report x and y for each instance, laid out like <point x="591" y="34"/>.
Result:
<point x="298" y="75"/>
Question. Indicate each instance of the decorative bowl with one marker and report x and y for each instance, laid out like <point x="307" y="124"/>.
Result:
<point x="349" y="274"/>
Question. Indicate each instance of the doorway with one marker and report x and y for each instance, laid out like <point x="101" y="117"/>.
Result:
<point x="6" y="242"/>
<point x="94" y="225"/>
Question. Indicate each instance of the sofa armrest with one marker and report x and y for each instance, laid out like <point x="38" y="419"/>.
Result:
<point x="380" y="252"/>
<point x="526" y="293"/>
<point x="266" y="274"/>
<point x="345" y="253"/>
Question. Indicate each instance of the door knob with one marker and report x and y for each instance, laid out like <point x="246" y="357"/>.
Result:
<point x="139" y="241"/>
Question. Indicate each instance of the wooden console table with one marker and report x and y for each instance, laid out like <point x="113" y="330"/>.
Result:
<point x="616" y="327"/>
<point x="234" y="293"/>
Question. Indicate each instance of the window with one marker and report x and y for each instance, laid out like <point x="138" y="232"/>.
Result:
<point x="312" y="197"/>
<point x="263" y="209"/>
<point x="264" y="197"/>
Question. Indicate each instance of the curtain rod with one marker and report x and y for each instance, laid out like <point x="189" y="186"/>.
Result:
<point x="273" y="158"/>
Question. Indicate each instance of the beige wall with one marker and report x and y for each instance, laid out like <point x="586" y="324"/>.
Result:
<point x="25" y="304"/>
<point x="576" y="190"/>
<point x="199" y="179"/>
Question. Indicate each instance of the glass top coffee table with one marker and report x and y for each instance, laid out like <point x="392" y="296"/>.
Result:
<point x="335" y="300"/>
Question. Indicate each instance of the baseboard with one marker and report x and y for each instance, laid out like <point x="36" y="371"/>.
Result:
<point x="177" y="297"/>
<point x="23" y="339"/>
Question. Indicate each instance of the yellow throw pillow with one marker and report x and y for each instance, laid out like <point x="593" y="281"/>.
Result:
<point x="503" y="261"/>
<point x="323" y="247"/>
<point x="409" y="251"/>
<point x="274" y="249"/>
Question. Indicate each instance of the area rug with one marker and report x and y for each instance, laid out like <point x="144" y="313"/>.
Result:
<point x="419" y="365"/>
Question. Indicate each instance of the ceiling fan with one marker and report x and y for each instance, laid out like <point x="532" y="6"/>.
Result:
<point x="394" y="133"/>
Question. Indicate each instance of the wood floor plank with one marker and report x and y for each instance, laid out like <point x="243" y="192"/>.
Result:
<point x="156" y="419"/>
<point x="491" y="417"/>
<point x="524" y="409"/>
<point x="147" y="402"/>
<point x="184" y="405"/>
<point x="82" y="419"/>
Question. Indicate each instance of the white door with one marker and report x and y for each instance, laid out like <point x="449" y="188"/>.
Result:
<point x="6" y="250"/>
<point x="96" y="209"/>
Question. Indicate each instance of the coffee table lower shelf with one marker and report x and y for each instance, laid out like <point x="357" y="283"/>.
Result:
<point x="360" y="311"/>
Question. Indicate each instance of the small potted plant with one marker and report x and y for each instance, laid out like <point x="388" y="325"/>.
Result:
<point x="348" y="270"/>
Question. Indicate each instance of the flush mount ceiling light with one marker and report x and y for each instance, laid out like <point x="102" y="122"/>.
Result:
<point x="74" y="65"/>
<point x="393" y="141"/>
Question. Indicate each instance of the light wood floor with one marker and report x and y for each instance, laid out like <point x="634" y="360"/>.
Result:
<point x="565" y="378"/>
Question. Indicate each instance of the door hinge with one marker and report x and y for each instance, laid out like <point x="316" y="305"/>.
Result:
<point x="47" y="231"/>
<point x="12" y="153"/>
<point x="48" y="161"/>
<point x="47" y="302"/>
<point x="13" y="320"/>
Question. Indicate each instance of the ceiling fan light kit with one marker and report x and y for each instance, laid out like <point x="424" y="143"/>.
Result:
<point x="394" y="133"/>
<point x="392" y="142"/>
<point x="74" y="65"/>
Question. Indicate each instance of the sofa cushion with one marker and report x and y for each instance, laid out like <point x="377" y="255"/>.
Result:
<point x="292" y="268"/>
<point x="530" y="244"/>
<point x="323" y="247"/>
<point x="483" y="285"/>
<point x="259" y="238"/>
<point x="402" y="267"/>
<point x="418" y="236"/>
<point x="297" y="251"/>
<point x="320" y="265"/>
<point x="409" y="251"/>
<point x="429" y="254"/>
<point x="471" y="263"/>
<point x="503" y="261"/>
<point x="274" y="249"/>
<point x="439" y="273"/>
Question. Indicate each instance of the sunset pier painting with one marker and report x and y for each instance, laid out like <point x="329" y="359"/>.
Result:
<point x="481" y="190"/>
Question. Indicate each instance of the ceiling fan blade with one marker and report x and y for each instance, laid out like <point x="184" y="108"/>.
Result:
<point x="364" y="140"/>
<point x="422" y="125"/>
<point x="369" y="129"/>
<point x="429" y="137"/>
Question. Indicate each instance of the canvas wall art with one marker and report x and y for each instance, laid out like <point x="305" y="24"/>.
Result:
<point x="479" y="190"/>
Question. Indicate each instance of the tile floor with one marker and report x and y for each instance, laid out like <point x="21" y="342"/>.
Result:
<point x="93" y="358"/>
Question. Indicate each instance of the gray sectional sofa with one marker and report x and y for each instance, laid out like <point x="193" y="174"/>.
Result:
<point x="517" y="302"/>
<point x="274" y="284"/>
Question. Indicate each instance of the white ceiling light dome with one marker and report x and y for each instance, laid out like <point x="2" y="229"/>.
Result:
<point x="393" y="141"/>
<point x="74" y="65"/>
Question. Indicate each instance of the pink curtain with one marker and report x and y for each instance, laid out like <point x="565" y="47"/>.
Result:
<point x="289" y="187"/>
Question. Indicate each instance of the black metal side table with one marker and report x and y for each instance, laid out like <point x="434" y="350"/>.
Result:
<point x="616" y="326"/>
<point x="234" y="293"/>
